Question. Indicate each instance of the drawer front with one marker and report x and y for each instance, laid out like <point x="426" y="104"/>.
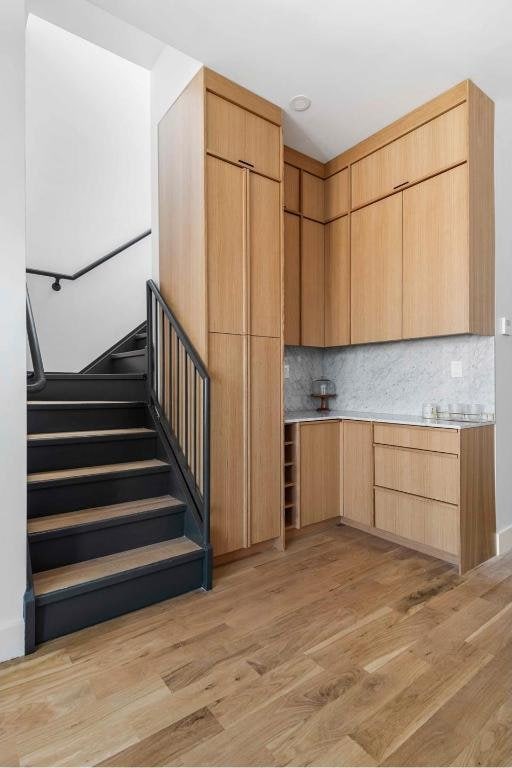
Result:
<point x="433" y="475"/>
<point x="436" y="439"/>
<point x="429" y="149"/>
<point x="419" y="520"/>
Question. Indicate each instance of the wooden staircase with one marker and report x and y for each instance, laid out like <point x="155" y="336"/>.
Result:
<point x="111" y="525"/>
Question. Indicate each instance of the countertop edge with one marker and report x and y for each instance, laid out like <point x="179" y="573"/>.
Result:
<point x="295" y="417"/>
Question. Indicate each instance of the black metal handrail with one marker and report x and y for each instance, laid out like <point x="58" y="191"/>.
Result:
<point x="37" y="378"/>
<point x="179" y="390"/>
<point x="58" y="276"/>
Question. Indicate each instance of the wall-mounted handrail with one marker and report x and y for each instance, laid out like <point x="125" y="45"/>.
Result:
<point x="179" y="389"/>
<point x="58" y="276"/>
<point x="37" y="378"/>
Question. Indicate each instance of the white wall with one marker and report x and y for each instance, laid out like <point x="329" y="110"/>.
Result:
<point x="172" y="71"/>
<point x="88" y="191"/>
<point x="503" y="177"/>
<point x="12" y="339"/>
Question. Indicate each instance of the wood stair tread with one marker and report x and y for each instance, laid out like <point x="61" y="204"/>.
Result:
<point x="84" y="402"/>
<point x="90" y="433"/>
<point x="101" y="567"/>
<point x="130" y="353"/>
<point x="98" y="514"/>
<point x="103" y="469"/>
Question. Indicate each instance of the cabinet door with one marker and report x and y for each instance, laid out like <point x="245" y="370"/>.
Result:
<point x="312" y="284"/>
<point x="228" y="370"/>
<point x="225" y="128"/>
<point x="291" y="279"/>
<point x="436" y="257"/>
<point x="358" y="471"/>
<point x="336" y="194"/>
<point x="376" y="271"/>
<point x="263" y="145"/>
<point x="313" y="203"/>
<point x="291" y="188"/>
<point x="226" y="222"/>
<point x="265" y="423"/>
<point x="264" y="256"/>
<point x="237" y="135"/>
<point x="337" y="283"/>
<point x="319" y="471"/>
<point x="431" y="148"/>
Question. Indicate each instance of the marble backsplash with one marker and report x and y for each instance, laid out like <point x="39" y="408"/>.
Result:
<point x="395" y="377"/>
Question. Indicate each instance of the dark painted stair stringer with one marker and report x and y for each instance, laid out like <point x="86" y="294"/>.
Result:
<point x="118" y="533"/>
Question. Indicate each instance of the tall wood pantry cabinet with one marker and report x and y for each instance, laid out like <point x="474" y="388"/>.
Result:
<point x="220" y="210"/>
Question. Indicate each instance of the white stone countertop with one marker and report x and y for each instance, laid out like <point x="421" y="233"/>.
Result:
<point x="292" y="417"/>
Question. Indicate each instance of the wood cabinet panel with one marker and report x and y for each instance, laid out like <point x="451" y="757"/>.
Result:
<point x="313" y="202"/>
<point x="242" y="137"/>
<point x="420" y="520"/>
<point x="265" y="424"/>
<point x="263" y="145"/>
<point x="336" y="195"/>
<point x="429" y="149"/>
<point x="264" y="256"/>
<point x="228" y="371"/>
<point x="291" y="279"/>
<point x="424" y="438"/>
<point x="337" y="283"/>
<point x="376" y="271"/>
<point x="319" y="471"/>
<point x="312" y="284"/>
<point x="436" y="257"/>
<point x="226" y="193"/>
<point x="291" y="188"/>
<point x="423" y="473"/>
<point x="358" y="471"/>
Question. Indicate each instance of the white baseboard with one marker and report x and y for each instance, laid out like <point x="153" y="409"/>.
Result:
<point x="504" y="540"/>
<point x="12" y="640"/>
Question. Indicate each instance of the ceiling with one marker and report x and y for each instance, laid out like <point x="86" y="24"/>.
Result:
<point x="363" y="64"/>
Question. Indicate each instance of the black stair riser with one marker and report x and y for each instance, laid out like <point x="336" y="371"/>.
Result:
<point x="140" y="343"/>
<point x="92" y="389"/>
<point x="109" y="599"/>
<point x="129" y="364"/>
<point x="69" y="419"/>
<point x="88" y="541"/>
<point x="83" y="494"/>
<point x="88" y="453"/>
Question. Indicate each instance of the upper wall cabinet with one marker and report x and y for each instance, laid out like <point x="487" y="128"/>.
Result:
<point x="238" y="135"/>
<point x="431" y="148"/>
<point x="336" y="195"/>
<point x="291" y="188"/>
<point x="313" y="202"/>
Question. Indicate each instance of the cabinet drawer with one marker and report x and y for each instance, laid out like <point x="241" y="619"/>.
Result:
<point x="433" y="147"/>
<point x="435" y="439"/>
<point x="424" y="473"/>
<point x="419" y="520"/>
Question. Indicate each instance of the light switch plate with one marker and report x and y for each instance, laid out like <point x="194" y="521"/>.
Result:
<point x="505" y="326"/>
<point x="287" y="371"/>
<point x="456" y="369"/>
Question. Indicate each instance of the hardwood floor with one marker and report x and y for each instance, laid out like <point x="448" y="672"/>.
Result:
<point x="344" y="650"/>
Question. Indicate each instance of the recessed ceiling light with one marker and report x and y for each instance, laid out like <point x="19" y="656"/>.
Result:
<point x="300" y="103"/>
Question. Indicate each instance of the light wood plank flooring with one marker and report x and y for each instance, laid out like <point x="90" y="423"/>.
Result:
<point x="344" y="650"/>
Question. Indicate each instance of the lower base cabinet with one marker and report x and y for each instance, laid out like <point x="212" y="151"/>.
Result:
<point x="320" y="471"/>
<point x="358" y="471"/>
<point x="246" y="440"/>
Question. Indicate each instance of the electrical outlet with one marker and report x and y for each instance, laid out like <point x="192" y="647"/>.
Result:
<point x="456" y="369"/>
<point x="287" y="371"/>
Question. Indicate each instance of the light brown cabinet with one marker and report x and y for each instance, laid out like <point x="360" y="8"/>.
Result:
<point x="436" y="267"/>
<point x="337" y="201"/>
<point x="291" y="188"/>
<point x="220" y="158"/>
<point x="358" y="472"/>
<point x="320" y="468"/>
<point x="427" y="150"/>
<point x="312" y="284"/>
<point x="242" y="137"/>
<point x="337" y="283"/>
<point x="376" y="271"/>
<point x="291" y="278"/>
<point x="313" y="202"/>
<point x="244" y="275"/>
